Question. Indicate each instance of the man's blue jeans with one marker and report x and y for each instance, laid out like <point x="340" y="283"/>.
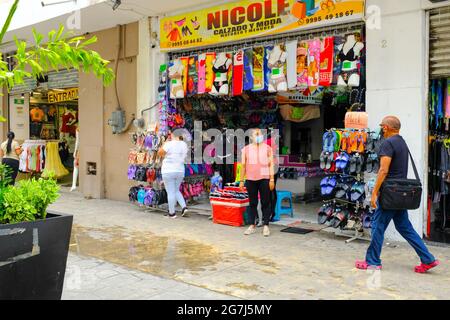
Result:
<point x="380" y="221"/>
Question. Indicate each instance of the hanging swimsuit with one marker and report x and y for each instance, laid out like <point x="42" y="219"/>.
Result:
<point x="222" y="70"/>
<point x="275" y="67"/>
<point x="351" y="57"/>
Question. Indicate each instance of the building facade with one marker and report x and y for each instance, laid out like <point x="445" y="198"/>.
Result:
<point x="397" y="46"/>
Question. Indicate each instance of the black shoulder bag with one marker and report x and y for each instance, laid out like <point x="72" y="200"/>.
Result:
<point x="401" y="194"/>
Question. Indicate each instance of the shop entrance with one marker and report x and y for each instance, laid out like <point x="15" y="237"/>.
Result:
<point x="44" y="117"/>
<point x="54" y="118"/>
<point x="438" y="218"/>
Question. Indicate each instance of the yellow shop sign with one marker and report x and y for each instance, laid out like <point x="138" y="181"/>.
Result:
<point x="65" y="95"/>
<point x="253" y="18"/>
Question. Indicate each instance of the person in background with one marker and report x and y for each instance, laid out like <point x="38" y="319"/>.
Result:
<point x="10" y="151"/>
<point x="394" y="156"/>
<point x="257" y="167"/>
<point x="174" y="152"/>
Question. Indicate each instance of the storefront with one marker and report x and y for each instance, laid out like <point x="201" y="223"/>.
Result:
<point x="438" y="217"/>
<point x="293" y="66"/>
<point x="43" y="115"/>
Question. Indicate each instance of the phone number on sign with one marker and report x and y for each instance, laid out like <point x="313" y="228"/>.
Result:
<point x="329" y="17"/>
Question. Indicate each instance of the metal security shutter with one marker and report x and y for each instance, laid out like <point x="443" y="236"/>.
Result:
<point x="63" y="79"/>
<point x="440" y="43"/>
<point x="28" y="86"/>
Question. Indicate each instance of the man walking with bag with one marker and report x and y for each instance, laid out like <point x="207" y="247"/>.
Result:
<point x="394" y="154"/>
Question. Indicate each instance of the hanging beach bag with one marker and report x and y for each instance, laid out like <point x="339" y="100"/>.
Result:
<point x="401" y="194"/>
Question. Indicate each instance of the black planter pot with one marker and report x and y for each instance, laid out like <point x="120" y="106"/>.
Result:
<point x="33" y="258"/>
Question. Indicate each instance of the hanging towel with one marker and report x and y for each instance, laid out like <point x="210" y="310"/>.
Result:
<point x="238" y="73"/>
<point x="248" y="69"/>
<point x="447" y="100"/>
<point x="230" y="73"/>
<point x="201" y="73"/>
<point x="209" y="78"/>
<point x="313" y="63"/>
<point x="267" y="71"/>
<point x="326" y="62"/>
<point x="302" y="65"/>
<point x="291" y="63"/>
<point x="185" y="63"/>
<point x="258" y="68"/>
<point x="192" y="86"/>
<point x="440" y="102"/>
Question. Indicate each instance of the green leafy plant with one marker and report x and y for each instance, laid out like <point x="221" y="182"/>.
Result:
<point x="59" y="49"/>
<point x="29" y="200"/>
<point x="5" y="180"/>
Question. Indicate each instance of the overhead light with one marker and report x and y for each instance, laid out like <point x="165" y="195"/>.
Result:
<point x="116" y="4"/>
<point x="23" y="96"/>
<point x="58" y="2"/>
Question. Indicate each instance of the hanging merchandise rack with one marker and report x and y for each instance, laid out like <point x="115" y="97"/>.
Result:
<point x="273" y="39"/>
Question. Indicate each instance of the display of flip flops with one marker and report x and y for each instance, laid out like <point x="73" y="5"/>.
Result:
<point x="346" y="155"/>
<point x="341" y="216"/>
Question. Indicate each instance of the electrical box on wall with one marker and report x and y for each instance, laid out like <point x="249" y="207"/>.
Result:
<point x="117" y="121"/>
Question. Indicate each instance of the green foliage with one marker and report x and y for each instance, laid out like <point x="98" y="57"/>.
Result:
<point x="29" y="200"/>
<point x="5" y="180"/>
<point x="60" y="50"/>
<point x="5" y="27"/>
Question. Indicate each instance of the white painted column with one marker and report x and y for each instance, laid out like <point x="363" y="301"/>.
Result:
<point x="144" y="93"/>
<point x="396" y="82"/>
<point x="157" y="58"/>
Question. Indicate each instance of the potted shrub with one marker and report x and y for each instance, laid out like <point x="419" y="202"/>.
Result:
<point x="34" y="243"/>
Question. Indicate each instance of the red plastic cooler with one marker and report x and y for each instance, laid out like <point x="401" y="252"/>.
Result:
<point x="229" y="211"/>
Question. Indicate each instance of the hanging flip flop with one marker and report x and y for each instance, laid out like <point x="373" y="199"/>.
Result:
<point x="361" y="140"/>
<point x="359" y="164"/>
<point x="338" y="162"/>
<point x="352" y="167"/>
<point x="323" y="186"/>
<point x="376" y="163"/>
<point x="332" y="182"/>
<point x="330" y="159"/>
<point x="333" y="163"/>
<point x="369" y="163"/>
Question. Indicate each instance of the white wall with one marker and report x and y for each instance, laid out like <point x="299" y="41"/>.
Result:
<point x="396" y="82"/>
<point x="144" y="94"/>
<point x="156" y="59"/>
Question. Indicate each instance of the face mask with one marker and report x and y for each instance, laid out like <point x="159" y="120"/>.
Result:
<point x="259" y="139"/>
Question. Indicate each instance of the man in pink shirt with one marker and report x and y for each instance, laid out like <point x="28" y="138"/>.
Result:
<point x="258" y="168"/>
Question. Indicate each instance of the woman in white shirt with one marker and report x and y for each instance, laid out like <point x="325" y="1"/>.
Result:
<point x="174" y="152"/>
<point x="9" y="152"/>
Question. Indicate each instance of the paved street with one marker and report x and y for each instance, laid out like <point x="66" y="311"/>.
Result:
<point x="120" y="251"/>
<point x="93" y="279"/>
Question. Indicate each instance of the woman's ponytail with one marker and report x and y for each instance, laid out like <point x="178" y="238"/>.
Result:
<point x="11" y="137"/>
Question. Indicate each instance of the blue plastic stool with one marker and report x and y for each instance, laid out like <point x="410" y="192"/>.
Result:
<point x="279" y="209"/>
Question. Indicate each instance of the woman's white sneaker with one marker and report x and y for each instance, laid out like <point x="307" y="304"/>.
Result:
<point x="250" y="230"/>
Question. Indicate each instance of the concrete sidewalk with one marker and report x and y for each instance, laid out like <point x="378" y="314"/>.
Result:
<point x="221" y="259"/>
<point x="93" y="279"/>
